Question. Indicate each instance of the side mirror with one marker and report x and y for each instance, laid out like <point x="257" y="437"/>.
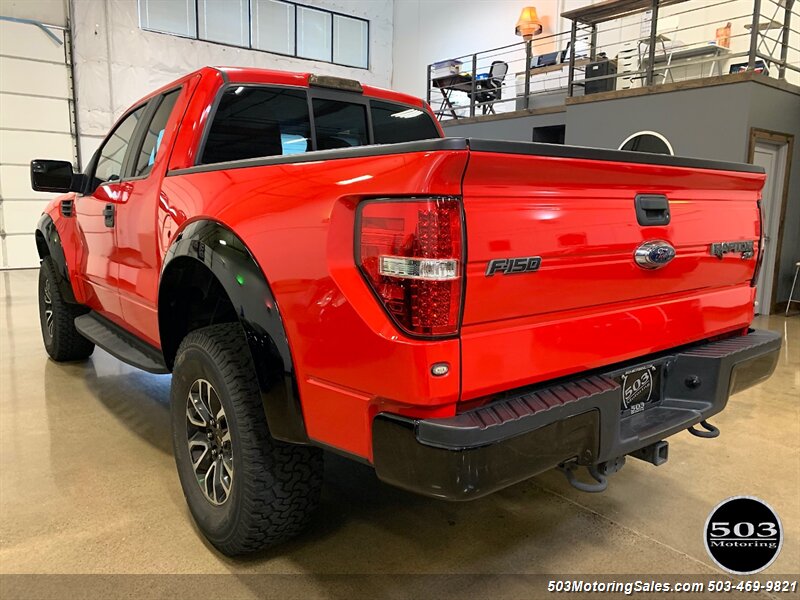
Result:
<point x="54" y="176"/>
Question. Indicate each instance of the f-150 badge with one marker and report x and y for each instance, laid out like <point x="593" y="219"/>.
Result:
<point x="510" y="266"/>
<point x="720" y="249"/>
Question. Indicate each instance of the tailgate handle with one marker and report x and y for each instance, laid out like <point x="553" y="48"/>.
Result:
<point x="652" y="209"/>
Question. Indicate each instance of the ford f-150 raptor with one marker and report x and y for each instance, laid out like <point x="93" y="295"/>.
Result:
<point x="319" y="268"/>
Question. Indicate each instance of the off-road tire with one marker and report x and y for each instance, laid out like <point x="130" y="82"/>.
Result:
<point x="275" y="487"/>
<point x="57" y="318"/>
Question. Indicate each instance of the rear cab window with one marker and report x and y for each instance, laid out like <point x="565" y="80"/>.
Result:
<point x="258" y="121"/>
<point x="394" y="123"/>
<point x="339" y="124"/>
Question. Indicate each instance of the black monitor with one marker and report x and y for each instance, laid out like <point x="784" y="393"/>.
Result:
<point x="545" y="60"/>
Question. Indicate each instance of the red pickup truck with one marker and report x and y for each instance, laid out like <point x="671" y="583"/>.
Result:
<point x="319" y="268"/>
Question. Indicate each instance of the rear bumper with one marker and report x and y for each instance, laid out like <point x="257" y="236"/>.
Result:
<point x="483" y="450"/>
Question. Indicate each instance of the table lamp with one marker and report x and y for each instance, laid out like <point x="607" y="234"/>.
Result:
<point x="528" y="24"/>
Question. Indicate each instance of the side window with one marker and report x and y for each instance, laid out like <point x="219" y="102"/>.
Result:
<point x="112" y="154"/>
<point x="339" y="124"/>
<point x="154" y="134"/>
<point x="252" y="122"/>
<point x="393" y="123"/>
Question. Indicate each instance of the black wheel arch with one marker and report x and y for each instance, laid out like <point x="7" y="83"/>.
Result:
<point x="48" y="243"/>
<point x="207" y="258"/>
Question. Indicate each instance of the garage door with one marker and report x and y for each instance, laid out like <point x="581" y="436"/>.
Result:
<point x="35" y="122"/>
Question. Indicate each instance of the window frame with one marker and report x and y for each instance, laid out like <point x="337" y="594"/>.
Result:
<point x="297" y="29"/>
<point x="150" y="106"/>
<point x="312" y="93"/>
<point x="139" y="136"/>
<point x="249" y="45"/>
<point x="333" y="37"/>
<point x="91" y="168"/>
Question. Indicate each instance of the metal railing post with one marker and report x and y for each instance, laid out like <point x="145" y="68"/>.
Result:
<point x="573" y="35"/>
<point x="473" y="85"/>
<point x="593" y="46"/>
<point x="651" y="48"/>
<point x="751" y="62"/>
<point x="429" y="83"/>
<point x="528" y="57"/>
<point x="787" y="22"/>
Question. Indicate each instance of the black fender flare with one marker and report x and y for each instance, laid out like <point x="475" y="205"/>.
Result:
<point x="48" y="243"/>
<point x="229" y="260"/>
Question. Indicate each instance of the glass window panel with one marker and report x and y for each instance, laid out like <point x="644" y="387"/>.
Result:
<point x="225" y="21"/>
<point x="112" y="154"/>
<point x="350" y="41"/>
<point x="394" y="123"/>
<point x="313" y="34"/>
<point x="154" y="135"/>
<point x="339" y="124"/>
<point x="169" y="16"/>
<point x="255" y="121"/>
<point x="273" y="26"/>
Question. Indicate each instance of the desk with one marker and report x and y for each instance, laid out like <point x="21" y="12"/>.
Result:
<point x="460" y="82"/>
<point x="687" y="54"/>
<point x="548" y="80"/>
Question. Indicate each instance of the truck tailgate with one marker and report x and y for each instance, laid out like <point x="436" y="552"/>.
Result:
<point x="589" y="303"/>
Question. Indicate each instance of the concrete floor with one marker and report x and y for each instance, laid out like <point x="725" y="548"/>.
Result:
<point x="88" y="485"/>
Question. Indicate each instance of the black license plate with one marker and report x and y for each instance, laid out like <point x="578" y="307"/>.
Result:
<point x="641" y="388"/>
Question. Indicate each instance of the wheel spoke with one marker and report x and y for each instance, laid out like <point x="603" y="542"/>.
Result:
<point x="48" y="316"/>
<point x="48" y="308"/>
<point x="210" y="484"/>
<point x="197" y="409"/>
<point x="221" y="478"/>
<point x="200" y="443"/>
<point x="209" y="441"/>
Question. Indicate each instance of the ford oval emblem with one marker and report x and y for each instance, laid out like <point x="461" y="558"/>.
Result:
<point x="654" y="255"/>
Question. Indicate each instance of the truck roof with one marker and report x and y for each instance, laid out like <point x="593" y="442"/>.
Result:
<point x="276" y="77"/>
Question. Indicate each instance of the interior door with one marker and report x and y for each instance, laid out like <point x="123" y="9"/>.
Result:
<point x="96" y="216"/>
<point x="773" y="158"/>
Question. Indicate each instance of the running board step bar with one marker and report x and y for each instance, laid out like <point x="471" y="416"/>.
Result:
<point x="120" y="343"/>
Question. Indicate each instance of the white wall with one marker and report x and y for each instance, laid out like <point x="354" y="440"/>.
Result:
<point x="117" y="62"/>
<point x="52" y="12"/>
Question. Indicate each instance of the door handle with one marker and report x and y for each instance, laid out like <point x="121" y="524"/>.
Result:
<point x="652" y="209"/>
<point x="108" y="213"/>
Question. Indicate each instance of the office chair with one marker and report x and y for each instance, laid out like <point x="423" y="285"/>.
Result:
<point x="491" y="89"/>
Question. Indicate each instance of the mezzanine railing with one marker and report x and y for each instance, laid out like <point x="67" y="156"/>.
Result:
<point x="622" y="45"/>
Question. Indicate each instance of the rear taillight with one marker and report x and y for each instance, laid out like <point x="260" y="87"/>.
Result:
<point x="411" y="254"/>
<point x="760" y="255"/>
